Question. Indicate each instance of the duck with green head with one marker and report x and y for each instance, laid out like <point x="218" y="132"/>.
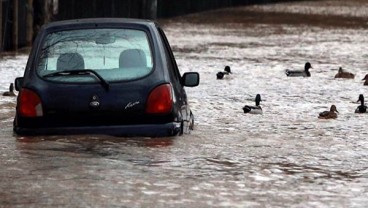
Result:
<point x="221" y="75"/>
<point x="361" y="108"/>
<point x="254" y="109"/>
<point x="366" y="79"/>
<point x="301" y="73"/>
<point x="10" y="92"/>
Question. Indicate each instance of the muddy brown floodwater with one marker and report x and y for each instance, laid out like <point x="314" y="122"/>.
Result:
<point x="286" y="157"/>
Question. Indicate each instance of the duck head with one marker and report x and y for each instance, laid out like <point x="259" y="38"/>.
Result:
<point x="258" y="99"/>
<point x="333" y="109"/>
<point x="361" y="99"/>
<point x="11" y="87"/>
<point x="227" y="69"/>
<point x="340" y="70"/>
<point x="220" y="75"/>
<point x="307" y="66"/>
<point x="366" y="77"/>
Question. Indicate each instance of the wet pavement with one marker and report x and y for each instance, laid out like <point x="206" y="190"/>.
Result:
<point x="286" y="157"/>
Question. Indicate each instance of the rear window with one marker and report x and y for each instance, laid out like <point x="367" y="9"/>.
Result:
<point x="115" y="54"/>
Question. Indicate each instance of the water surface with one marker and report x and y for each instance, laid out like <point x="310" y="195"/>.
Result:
<point x="286" y="157"/>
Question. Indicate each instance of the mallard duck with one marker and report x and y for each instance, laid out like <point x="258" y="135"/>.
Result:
<point x="329" y="114"/>
<point x="304" y="73"/>
<point x="366" y="80"/>
<point x="10" y="92"/>
<point x="221" y="75"/>
<point x="344" y="74"/>
<point x="361" y="108"/>
<point x="254" y="109"/>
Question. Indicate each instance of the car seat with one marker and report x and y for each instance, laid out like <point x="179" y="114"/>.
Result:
<point x="70" y="61"/>
<point x="132" y="58"/>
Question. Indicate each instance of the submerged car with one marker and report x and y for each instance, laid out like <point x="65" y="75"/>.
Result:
<point x="103" y="76"/>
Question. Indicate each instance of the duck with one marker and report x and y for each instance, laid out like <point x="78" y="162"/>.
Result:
<point x="254" y="109"/>
<point x="366" y="79"/>
<point x="221" y="75"/>
<point x="305" y="73"/>
<point x="361" y="108"/>
<point x="10" y="92"/>
<point x="329" y="114"/>
<point x="344" y="74"/>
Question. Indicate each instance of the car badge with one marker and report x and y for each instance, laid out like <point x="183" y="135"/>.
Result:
<point x="131" y="104"/>
<point x="95" y="103"/>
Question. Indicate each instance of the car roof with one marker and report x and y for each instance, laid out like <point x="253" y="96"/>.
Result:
<point x="103" y="22"/>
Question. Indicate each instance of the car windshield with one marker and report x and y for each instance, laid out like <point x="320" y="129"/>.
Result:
<point x="115" y="54"/>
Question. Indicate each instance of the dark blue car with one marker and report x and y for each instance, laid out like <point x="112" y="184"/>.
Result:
<point x="103" y="76"/>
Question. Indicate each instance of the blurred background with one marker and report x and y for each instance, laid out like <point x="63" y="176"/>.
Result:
<point x="21" y="19"/>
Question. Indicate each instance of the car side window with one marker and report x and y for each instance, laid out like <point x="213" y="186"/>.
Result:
<point x="170" y="55"/>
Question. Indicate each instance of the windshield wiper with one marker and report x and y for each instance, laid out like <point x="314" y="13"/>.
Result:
<point x="103" y="82"/>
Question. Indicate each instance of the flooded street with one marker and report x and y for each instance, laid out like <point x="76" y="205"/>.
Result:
<point x="286" y="157"/>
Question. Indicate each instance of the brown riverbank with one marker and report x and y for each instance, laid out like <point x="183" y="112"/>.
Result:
<point x="331" y="13"/>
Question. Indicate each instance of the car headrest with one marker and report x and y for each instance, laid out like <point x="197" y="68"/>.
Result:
<point x="132" y="58"/>
<point x="70" y="61"/>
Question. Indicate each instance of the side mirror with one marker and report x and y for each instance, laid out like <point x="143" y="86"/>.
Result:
<point x="18" y="83"/>
<point x="190" y="79"/>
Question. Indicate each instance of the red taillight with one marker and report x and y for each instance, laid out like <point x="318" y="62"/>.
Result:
<point x="29" y="104"/>
<point x="160" y="100"/>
